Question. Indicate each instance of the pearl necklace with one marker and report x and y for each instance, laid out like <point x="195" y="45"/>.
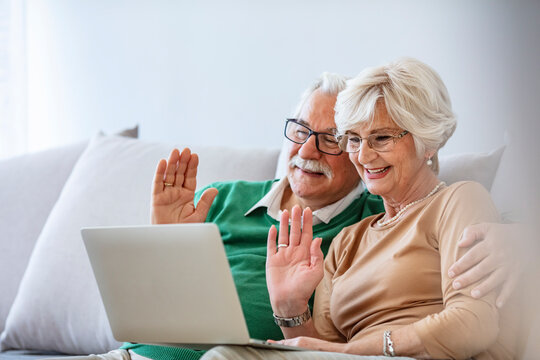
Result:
<point x="400" y="212"/>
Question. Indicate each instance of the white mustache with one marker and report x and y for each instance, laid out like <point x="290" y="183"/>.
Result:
<point x="311" y="165"/>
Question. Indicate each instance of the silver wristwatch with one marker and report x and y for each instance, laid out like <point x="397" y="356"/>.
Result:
<point x="292" y="321"/>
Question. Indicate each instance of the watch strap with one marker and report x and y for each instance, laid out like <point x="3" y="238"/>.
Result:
<point x="292" y="321"/>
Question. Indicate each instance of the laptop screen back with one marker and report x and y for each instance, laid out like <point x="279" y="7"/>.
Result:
<point x="166" y="284"/>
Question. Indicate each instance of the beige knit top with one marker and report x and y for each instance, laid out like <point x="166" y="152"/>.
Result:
<point x="382" y="278"/>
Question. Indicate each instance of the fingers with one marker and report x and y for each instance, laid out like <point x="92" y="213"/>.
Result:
<point x="172" y="165"/>
<point x="190" y="177"/>
<point x="482" y="269"/>
<point x="489" y="283"/>
<point x="471" y="234"/>
<point x="181" y="170"/>
<point x="472" y="257"/>
<point x="283" y="238"/>
<point x="288" y="342"/>
<point x="307" y="227"/>
<point x="158" y="177"/>
<point x="495" y="278"/>
<point x="301" y="228"/>
<point x="300" y="341"/>
<point x="507" y="289"/>
<point x="491" y="261"/>
<point x="271" y="248"/>
<point x="471" y="276"/>
<point x="205" y="202"/>
<point x="317" y="256"/>
<point x="296" y="226"/>
<point x="498" y="278"/>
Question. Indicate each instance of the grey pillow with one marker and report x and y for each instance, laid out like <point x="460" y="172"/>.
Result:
<point x="479" y="167"/>
<point x="30" y="186"/>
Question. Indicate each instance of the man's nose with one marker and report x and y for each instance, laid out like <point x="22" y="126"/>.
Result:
<point x="309" y="150"/>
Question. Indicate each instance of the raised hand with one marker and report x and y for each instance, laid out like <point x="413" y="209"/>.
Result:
<point x="173" y="190"/>
<point x="294" y="267"/>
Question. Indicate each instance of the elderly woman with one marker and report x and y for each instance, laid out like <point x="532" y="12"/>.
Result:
<point x="383" y="288"/>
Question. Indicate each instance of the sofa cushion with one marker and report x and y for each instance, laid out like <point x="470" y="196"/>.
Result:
<point x="58" y="307"/>
<point x="31" y="185"/>
<point x="479" y="167"/>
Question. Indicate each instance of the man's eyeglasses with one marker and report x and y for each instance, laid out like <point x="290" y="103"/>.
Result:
<point x="298" y="133"/>
<point x="351" y="143"/>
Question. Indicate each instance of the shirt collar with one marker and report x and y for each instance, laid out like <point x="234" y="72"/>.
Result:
<point x="272" y="202"/>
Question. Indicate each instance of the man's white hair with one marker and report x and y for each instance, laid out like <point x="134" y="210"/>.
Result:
<point x="328" y="83"/>
<point x="414" y="95"/>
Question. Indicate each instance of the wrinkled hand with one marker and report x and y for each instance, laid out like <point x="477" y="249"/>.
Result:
<point x="293" y="272"/>
<point x="311" y="343"/>
<point x="495" y="260"/>
<point x="173" y="191"/>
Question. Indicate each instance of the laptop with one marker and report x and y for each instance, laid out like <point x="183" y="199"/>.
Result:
<point x="168" y="285"/>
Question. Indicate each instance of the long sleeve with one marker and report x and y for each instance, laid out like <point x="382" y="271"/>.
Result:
<point x="321" y="308"/>
<point x="466" y="326"/>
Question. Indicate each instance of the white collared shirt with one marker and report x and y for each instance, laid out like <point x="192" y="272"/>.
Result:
<point x="272" y="201"/>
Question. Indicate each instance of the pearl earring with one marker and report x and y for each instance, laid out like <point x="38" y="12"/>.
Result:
<point x="429" y="162"/>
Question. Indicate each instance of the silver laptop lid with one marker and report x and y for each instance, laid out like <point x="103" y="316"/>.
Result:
<point x="151" y="283"/>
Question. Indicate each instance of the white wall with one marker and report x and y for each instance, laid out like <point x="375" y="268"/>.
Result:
<point x="229" y="72"/>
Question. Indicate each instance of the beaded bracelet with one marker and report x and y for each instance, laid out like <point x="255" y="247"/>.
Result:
<point x="388" y="345"/>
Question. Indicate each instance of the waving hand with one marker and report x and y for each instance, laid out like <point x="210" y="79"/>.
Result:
<point x="173" y="190"/>
<point x="294" y="267"/>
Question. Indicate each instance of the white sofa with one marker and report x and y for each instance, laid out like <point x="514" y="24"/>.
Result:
<point x="49" y="300"/>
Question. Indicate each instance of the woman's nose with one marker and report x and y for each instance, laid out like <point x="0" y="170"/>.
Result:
<point x="366" y="153"/>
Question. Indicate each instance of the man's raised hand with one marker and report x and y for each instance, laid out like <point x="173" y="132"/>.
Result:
<point x="173" y="190"/>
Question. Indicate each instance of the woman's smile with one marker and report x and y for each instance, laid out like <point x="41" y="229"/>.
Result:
<point x="376" y="173"/>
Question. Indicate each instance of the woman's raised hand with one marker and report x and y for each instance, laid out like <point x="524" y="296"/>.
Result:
<point x="173" y="190"/>
<point x="294" y="267"/>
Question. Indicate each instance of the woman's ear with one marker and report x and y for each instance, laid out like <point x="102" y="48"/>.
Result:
<point x="429" y="154"/>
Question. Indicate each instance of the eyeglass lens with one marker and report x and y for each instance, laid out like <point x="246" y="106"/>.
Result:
<point x="299" y="134"/>
<point x="378" y="142"/>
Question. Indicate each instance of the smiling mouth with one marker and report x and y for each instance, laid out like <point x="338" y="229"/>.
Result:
<point x="378" y="170"/>
<point x="310" y="172"/>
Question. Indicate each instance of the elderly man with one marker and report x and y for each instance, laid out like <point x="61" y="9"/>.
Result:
<point x="319" y="176"/>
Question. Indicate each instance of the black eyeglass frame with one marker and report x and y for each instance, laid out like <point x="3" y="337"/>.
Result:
<point x="394" y="139"/>
<point x="310" y="132"/>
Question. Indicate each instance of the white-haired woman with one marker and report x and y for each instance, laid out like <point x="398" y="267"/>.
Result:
<point x="384" y="287"/>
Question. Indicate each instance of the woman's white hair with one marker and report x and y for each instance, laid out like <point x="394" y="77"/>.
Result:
<point x="328" y="83"/>
<point x="415" y="97"/>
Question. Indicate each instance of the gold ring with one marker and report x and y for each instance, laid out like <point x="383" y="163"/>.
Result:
<point x="167" y="184"/>
<point x="282" y="245"/>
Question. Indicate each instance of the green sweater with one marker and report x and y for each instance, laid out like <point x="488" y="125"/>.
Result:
<point x="244" y="238"/>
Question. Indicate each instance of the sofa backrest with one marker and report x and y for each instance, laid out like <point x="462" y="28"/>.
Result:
<point x="57" y="306"/>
